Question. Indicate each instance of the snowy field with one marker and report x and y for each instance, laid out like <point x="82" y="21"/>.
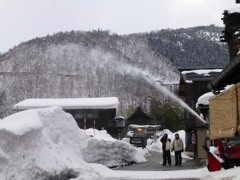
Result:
<point x="44" y="144"/>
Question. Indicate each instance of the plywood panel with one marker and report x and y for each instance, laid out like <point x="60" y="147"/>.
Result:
<point x="223" y="114"/>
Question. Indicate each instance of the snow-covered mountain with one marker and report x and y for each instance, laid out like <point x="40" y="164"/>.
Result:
<point x="197" y="47"/>
<point x="100" y="64"/>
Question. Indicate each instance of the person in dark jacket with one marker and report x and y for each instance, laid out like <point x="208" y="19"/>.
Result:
<point x="166" y="148"/>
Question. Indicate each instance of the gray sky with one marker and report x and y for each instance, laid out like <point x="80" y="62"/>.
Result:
<point x="22" y="20"/>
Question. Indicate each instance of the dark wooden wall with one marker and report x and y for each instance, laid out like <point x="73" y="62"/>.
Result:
<point x="103" y="117"/>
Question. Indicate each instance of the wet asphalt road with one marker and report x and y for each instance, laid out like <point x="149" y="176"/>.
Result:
<point x="154" y="163"/>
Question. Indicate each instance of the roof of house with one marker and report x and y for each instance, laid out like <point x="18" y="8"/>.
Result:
<point x="134" y="126"/>
<point x="230" y="75"/>
<point x="70" y="103"/>
<point x="140" y="118"/>
<point x="190" y="76"/>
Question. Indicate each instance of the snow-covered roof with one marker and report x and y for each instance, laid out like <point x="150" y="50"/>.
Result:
<point x="189" y="76"/>
<point x="204" y="72"/>
<point x="204" y="99"/>
<point x="70" y="103"/>
<point x="234" y="10"/>
<point x="135" y="126"/>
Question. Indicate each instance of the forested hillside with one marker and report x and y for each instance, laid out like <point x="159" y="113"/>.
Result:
<point x="100" y="64"/>
<point x="197" y="47"/>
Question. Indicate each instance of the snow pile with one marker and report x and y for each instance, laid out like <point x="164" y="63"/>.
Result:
<point x="204" y="99"/>
<point x="104" y="149"/>
<point x="201" y="174"/>
<point x="101" y="135"/>
<point x="47" y="144"/>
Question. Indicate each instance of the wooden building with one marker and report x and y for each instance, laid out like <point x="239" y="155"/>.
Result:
<point x="88" y="112"/>
<point x="142" y="126"/>
<point x="193" y="84"/>
<point x="231" y="35"/>
<point x="140" y="118"/>
<point x="230" y="74"/>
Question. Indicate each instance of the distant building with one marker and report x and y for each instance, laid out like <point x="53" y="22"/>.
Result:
<point x="142" y="132"/>
<point x="88" y="112"/>
<point x="141" y="119"/>
<point x="193" y="84"/>
<point x="142" y="126"/>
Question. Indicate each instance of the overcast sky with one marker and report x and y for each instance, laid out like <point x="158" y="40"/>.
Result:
<point x="22" y="20"/>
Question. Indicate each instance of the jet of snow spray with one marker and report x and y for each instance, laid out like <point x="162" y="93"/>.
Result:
<point x="151" y="80"/>
<point x="176" y="99"/>
<point x="154" y="82"/>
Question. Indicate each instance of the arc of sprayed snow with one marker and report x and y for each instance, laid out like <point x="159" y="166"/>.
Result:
<point x="151" y="80"/>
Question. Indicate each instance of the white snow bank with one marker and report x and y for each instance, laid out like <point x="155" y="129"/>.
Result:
<point x="202" y="174"/>
<point x="38" y="144"/>
<point x="47" y="143"/>
<point x="104" y="149"/>
<point x="55" y="146"/>
<point x="23" y="125"/>
<point x="204" y="99"/>
<point x="103" y="135"/>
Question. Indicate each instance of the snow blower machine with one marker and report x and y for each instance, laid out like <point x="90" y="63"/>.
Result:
<point x="224" y="125"/>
